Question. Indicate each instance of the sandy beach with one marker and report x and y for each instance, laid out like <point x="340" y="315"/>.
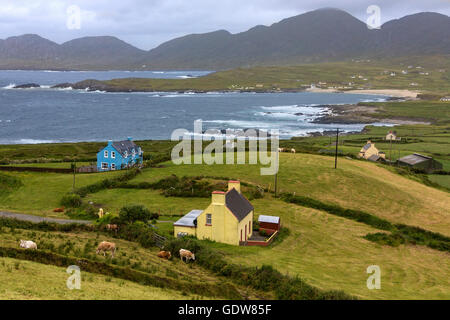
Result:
<point x="397" y="93"/>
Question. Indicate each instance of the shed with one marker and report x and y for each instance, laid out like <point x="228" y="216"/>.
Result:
<point x="269" y="222"/>
<point x="419" y="161"/>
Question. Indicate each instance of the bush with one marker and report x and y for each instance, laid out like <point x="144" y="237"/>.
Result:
<point x="71" y="200"/>
<point x="133" y="213"/>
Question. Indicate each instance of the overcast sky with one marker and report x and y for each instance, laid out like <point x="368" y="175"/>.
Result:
<point x="148" y="23"/>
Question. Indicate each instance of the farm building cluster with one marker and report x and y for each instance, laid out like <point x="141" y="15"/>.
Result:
<point x="413" y="161"/>
<point x="228" y="219"/>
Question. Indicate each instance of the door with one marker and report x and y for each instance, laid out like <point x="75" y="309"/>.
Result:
<point x="245" y="233"/>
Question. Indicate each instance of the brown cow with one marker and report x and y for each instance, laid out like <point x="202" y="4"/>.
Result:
<point x="187" y="255"/>
<point x="59" y="209"/>
<point x="112" y="227"/>
<point x="165" y="255"/>
<point x="106" y="246"/>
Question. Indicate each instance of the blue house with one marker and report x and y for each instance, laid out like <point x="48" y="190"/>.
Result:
<point x="119" y="155"/>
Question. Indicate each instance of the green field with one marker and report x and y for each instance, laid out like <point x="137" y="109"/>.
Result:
<point x="25" y="280"/>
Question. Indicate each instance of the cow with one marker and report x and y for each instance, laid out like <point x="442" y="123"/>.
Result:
<point x="293" y="151"/>
<point x="164" y="255"/>
<point x="281" y="150"/>
<point x="60" y="210"/>
<point x="187" y="255"/>
<point x="106" y="246"/>
<point x="112" y="227"/>
<point x="28" y="244"/>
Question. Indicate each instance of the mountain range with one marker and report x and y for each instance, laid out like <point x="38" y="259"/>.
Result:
<point x="318" y="36"/>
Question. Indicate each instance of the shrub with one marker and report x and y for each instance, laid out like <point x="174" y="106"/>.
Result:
<point x="132" y="213"/>
<point x="71" y="200"/>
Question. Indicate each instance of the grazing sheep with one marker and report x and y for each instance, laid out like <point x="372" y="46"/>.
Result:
<point x="293" y="151"/>
<point x="106" y="246"/>
<point x="28" y="244"/>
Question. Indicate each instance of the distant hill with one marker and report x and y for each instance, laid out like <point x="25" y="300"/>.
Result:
<point x="317" y="36"/>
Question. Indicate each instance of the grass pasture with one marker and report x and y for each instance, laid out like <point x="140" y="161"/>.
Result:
<point x="26" y="280"/>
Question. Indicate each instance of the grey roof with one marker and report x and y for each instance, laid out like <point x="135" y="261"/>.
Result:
<point x="374" y="158"/>
<point x="238" y="204"/>
<point x="414" y="159"/>
<point x="189" y="220"/>
<point x="367" y="146"/>
<point x="125" y="145"/>
<point x="269" y="219"/>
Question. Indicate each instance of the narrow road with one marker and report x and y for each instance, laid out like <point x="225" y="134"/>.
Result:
<point x="37" y="219"/>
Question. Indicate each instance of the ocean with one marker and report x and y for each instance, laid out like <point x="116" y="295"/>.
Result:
<point x="44" y="115"/>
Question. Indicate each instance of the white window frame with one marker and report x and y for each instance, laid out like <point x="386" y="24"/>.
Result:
<point x="209" y="217"/>
<point x="103" y="166"/>
<point x="113" y="166"/>
<point x="126" y="154"/>
<point x="113" y="154"/>
<point x="105" y="153"/>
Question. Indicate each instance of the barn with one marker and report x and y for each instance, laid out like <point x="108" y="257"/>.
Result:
<point x="421" y="162"/>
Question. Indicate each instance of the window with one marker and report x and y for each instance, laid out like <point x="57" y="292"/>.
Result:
<point x="113" y="166"/>
<point x="106" y="154"/>
<point x="209" y="219"/>
<point x="125" y="154"/>
<point x="113" y="154"/>
<point x="104" y="166"/>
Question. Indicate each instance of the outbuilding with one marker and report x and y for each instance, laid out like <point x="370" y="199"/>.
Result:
<point x="419" y="161"/>
<point x="269" y="222"/>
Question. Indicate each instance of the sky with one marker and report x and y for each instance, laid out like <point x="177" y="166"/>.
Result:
<point x="148" y="23"/>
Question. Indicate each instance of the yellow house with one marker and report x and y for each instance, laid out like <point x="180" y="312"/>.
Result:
<point x="228" y="219"/>
<point x="370" y="151"/>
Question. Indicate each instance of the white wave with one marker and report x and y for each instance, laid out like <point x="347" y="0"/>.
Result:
<point x="158" y="72"/>
<point x="32" y="141"/>
<point x="186" y="77"/>
<point x="45" y="86"/>
<point x="280" y="115"/>
<point x="10" y="86"/>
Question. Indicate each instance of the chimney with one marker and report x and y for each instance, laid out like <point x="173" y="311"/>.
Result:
<point x="218" y="198"/>
<point x="110" y="142"/>
<point x="130" y="139"/>
<point x="234" y="184"/>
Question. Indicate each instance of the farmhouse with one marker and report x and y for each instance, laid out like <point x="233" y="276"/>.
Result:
<point x="119" y="155"/>
<point x="370" y="150"/>
<point x="418" y="161"/>
<point x="228" y="219"/>
<point x="392" y="135"/>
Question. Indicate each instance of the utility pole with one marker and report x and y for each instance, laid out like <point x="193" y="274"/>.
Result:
<point x="337" y="145"/>
<point x="390" y="154"/>
<point x="74" y="168"/>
